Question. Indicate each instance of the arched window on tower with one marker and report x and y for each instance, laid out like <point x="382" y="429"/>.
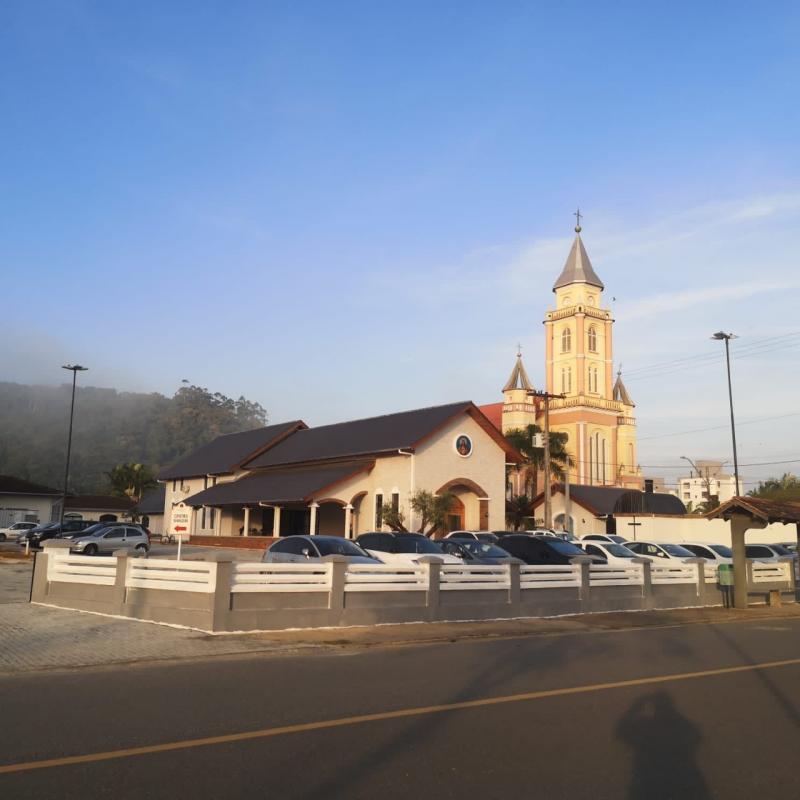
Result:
<point x="593" y="379"/>
<point x="566" y="380"/>
<point x="566" y="340"/>
<point x="593" y="339"/>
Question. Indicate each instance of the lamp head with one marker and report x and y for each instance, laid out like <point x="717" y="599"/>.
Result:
<point x="75" y="367"/>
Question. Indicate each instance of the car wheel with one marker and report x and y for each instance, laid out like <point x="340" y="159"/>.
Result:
<point x="90" y="550"/>
<point x="2" y="537"/>
<point x="141" y="548"/>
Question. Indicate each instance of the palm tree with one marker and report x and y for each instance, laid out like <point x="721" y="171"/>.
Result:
<point x="522" y="440"/>
<point x="518" y="509"/>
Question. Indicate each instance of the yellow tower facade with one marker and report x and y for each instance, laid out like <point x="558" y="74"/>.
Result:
<point x="595" y="411"/>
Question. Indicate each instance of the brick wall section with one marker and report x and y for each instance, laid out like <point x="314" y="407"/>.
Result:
<point x="243" y="542"/>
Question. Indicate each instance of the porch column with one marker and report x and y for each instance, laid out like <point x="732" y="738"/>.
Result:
<point x="312" y="523"/>
<point x="348" y="520"/>
<point x="276" y="521"/>
<point x="246" y="531"/>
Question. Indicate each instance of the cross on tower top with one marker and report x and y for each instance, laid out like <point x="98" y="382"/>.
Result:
<point x="577" y="214"/>
<point x="519" y="350"/>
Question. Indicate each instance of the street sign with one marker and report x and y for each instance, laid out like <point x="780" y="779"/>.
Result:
<point x="180" y="520"/>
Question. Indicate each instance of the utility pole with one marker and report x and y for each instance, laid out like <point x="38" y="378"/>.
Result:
<point x="727" y="338"/>
<point x="75" y="369"/>
<point x="548" y="501"/>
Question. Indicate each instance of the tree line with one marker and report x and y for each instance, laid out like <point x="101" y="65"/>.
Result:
<point x="111" y="428"/>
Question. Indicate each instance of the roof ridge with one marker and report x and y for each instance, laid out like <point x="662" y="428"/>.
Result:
<point x="465" y="404"/>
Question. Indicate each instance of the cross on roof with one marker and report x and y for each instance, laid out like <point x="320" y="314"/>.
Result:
<point x="519" y="350"/>
<point x="578" y="216"/>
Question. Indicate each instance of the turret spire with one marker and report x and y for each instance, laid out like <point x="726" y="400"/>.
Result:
<point x="519" y="378"/>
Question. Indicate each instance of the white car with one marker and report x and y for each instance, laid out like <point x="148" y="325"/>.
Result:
<point x="616" y="555"/>
<point x="768" y="552"/>
<point x="403" y="548"/>
<point x="715" y="554"/>
<point x="661" y="551"/>
<point x="604" y="537"/>
<point x="16" y="530"/>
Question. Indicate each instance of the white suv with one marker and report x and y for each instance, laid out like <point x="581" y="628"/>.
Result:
<point x="16" y="530"/>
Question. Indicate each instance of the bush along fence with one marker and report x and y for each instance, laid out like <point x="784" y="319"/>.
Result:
<point x="220" y="594"/>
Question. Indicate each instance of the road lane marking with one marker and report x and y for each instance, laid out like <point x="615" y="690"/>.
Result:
<point x="303" y="727"/>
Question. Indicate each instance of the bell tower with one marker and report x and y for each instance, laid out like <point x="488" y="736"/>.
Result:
<point x="579" y="365"/>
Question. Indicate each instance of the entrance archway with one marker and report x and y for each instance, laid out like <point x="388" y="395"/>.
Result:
<point x="455" y="517"/>
<point x="470" y="507"/>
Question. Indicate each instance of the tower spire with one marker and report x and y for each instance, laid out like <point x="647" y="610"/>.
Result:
<point x="578" y="268"/>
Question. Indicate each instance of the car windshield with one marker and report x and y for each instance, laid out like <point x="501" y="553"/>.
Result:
<point x="92" y="529"/>
<point x="339" y="547"/>
<point x="617" y="539"/>
<point x="412" y="544"/>
<point x="721" y="550"/>
<point x="565" y="548"/>
<point x="677" y="551"/>
<point x="620" y="551"/>
<point x="781" y="550"/>
<point x="485" y="550"/>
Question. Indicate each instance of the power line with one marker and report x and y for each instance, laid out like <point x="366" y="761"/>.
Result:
<point x="719" y="427"/>
<point x="741" y="349"/>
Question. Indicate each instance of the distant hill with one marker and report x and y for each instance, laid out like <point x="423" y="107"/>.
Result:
<point x="110" y="427"/>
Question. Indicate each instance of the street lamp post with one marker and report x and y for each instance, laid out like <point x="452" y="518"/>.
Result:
<point x="75" y="369"/>
<point x="721" y="335"/>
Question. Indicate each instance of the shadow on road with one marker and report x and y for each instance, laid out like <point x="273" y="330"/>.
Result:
<point x="663" y="745"/>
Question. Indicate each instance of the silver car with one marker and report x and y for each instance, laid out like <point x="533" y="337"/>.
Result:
<point x="305" y="549"/>
<point x="107" y="540"/>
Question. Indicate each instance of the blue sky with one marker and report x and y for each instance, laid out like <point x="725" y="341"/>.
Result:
<point x="341" y="209"/>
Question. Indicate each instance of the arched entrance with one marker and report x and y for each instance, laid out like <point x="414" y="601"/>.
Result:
<point x="470" y="507"/>
<point x="455" y="517"/>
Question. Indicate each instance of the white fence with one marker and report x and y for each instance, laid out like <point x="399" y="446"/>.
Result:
<point x="557" y="577"/>
<point x="163" y="573"/>
<point x="201" y="576"/>
<point x="260" y="577"/>
<point x="97" y="570"/>
<point x="771" y="572"/>
<point x="385" y="578"/>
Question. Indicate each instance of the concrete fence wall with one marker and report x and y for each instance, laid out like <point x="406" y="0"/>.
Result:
<point x="220" y="594"/>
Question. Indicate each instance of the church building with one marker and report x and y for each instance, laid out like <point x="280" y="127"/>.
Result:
<point x="592" y="407"/>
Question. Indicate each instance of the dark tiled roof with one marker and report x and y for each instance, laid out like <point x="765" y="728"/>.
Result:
<point x="759" y="508"/>
<point x="606" y="500"/>
<point x="361" y="437"/>
<point x="100" y="502"/>
<point x="227" y="452"/>
<point x="11" y="485"/>
<point x="278" y="486"/>
<point x="152" y="502"/>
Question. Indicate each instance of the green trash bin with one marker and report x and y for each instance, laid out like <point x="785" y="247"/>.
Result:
<point x="725" y="572"/>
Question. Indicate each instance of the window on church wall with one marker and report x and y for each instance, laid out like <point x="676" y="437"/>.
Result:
<point x="593" y="339"/>
<point x="566" y="340"/>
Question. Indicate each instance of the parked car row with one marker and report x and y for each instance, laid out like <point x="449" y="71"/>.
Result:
<point x="88" y="537"/>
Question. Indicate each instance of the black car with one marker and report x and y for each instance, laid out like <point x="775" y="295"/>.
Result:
<point x="54" y="530"/>
<point x="472" y="551"/>
<point x="543" y="549"/>
<point x="473" y="536"/>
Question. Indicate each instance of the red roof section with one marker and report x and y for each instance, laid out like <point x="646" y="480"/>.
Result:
<point x="494" y="413"/>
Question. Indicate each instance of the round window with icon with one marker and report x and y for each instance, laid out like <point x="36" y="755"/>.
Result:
<point x="463" y="445"/>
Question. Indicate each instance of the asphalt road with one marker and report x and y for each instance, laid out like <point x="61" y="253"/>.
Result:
<point x="726" y="727"/>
